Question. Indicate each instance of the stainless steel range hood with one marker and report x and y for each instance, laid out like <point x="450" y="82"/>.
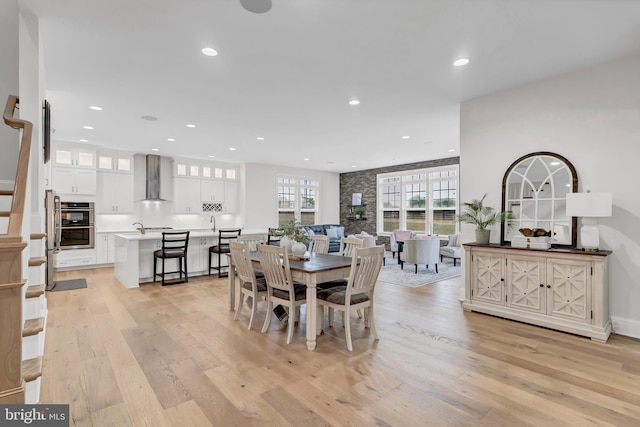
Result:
<point x="153" y="179"/>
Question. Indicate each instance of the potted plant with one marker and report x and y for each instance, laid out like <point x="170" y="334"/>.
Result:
<point x="483" y="217"/>
<point x="296" y="234"/>
<point x="358" y="214"/>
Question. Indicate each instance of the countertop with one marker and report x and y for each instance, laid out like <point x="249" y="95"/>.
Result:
<point x="157" y="234"/>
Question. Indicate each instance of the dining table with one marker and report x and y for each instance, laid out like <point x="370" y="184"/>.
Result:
<point x="315" y="268"/>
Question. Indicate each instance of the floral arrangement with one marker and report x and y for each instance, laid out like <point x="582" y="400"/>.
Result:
<point x="294" y="230"/>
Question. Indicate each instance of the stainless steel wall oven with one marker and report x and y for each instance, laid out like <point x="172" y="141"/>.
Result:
<point x="76" y="225"/>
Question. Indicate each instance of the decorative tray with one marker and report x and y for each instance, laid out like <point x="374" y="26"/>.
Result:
<point x="299" y="258"/>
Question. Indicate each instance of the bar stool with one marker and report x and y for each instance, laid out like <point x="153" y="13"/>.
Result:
<point x="224" y="237"/>
<point x="174" y="246"/>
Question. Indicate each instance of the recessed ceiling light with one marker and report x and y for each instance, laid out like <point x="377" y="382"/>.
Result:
<point x="88" y="127"/>
<point x="460" y="62"/>
<point x="353" y="166"/>
<point x="260" y="138"/>
<point x="305" y="159"/>
<point x="256" y="6"/>
<point x="406" y="137"/>
<point x="155" y="149"/>
<point x="451" y="150"/>
<point x="96" y="108"/>
<point x="232" y="149"/>
<point x="191" y="126"/>
<point x="568" y="185"/>
<point x="354" y="102"/>
<point x="84" y="140"/>
<point x="211" y="157"/>
<point x="150" y="118"/>
<point x="209" y="51"/>
<point x="171" y="139"/>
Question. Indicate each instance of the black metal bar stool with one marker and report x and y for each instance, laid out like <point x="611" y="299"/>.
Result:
<point x="174" y="246"/>
<point x="224" y="237"/>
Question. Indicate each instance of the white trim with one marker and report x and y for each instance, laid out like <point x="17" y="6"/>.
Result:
<point x="6" y="184"/>
<point x="626" y="327"/>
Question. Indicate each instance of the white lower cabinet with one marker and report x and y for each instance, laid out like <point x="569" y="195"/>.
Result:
<point x="66" y="259"/>
<point x="105" y="250"/>
<point x="198" y="254"/>
<point x="558" y="289"/>
<point x="145" y="258"/>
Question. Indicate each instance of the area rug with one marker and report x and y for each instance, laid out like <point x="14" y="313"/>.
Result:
<point x="67" y="285"/>
<point x="391" y="272"/>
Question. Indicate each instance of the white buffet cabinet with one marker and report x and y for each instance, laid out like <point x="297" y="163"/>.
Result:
<point x="561" y="289"/>
<point x="133" y="262"/>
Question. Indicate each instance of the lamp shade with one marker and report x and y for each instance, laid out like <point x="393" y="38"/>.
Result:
<point x="589" y="204"/>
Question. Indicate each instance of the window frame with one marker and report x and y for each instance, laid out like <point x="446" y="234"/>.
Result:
<point x="414" y="178"/>
<point x="300" y="183"/>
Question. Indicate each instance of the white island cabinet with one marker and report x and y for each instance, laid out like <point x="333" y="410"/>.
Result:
<point x="134" y="255"/>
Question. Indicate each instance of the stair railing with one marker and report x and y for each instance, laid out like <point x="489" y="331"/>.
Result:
<point x="16" y="215"/>
<point x="11" y="268"/>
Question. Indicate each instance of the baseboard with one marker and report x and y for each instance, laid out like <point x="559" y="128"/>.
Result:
<point x="626" y="327"/>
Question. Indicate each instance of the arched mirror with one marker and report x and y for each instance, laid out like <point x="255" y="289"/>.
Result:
<point x="534" y="190"/>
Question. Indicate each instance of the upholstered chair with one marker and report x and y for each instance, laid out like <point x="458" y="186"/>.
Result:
<point x="453" y="249"/>
<point x="421" y="251"/>
<point x="400" y="235"/>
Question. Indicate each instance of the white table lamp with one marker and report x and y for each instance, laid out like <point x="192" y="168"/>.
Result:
<point x="589" y="206"/>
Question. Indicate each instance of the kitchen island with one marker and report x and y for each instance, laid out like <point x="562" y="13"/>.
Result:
<point x="133" y="263"/>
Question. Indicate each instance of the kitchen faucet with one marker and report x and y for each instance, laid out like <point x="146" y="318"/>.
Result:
<point x="141" y="226"/>
<point x="213" y="220"/>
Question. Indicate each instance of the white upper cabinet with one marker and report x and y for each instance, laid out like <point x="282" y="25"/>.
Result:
<point x="186" y="196"/>
<point x="72" y="155"/>
<point x="115" y="161"/>
<point x="230" y="197"/>
<point x="212" y="191"/>
<point x="116" y="193"/>
<point x="185" y="168"/>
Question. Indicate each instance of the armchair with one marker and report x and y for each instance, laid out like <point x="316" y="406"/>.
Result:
<point x="453" y="249"/>
<point x="420" y="251"/>
<point x="401" y="235"/>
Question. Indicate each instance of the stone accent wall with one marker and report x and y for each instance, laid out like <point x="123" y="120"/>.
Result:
<point x="365" y="182"/>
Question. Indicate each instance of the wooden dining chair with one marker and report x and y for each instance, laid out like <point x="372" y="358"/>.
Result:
<point x="250" y="285"/>
<point x="349" y="244"/>
<point x="319" y="244"/>
<point x="281" y="289"/>
<point x="252" y="241"/>
<point x="358" y="292"/>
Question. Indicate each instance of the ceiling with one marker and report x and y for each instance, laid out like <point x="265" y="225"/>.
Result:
<point x="287" y="75"/>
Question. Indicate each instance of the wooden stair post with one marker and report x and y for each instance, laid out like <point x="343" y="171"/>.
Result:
<point x="11" y="282"/>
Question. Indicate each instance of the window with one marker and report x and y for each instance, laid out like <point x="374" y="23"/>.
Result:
<point x="429" y="201"/>
<point x="297" y="199"/>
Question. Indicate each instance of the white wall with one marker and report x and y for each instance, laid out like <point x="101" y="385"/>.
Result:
<point x="591" y="117"/>
<point x="9" y="36"/>
<point x="260" y="197"/>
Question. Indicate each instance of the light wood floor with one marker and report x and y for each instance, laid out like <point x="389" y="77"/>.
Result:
<point x="173" y="356"/>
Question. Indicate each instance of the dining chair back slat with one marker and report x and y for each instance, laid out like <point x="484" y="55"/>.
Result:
<point x="349" y="244"/>
<point x="252" y="241"/>
<point x="319" y="244"/>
